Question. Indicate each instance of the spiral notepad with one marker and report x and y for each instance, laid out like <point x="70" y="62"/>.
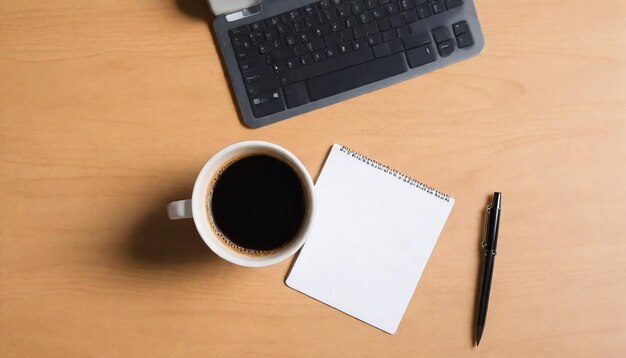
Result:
<point x="373" y="234"/>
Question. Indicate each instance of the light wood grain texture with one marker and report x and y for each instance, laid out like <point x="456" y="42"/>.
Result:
<point x="108" y="109"/>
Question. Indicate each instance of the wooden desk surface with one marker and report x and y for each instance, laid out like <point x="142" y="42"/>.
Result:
<point x="109" y="108"/>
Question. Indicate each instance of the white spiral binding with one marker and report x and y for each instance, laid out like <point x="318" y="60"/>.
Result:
<point x="405" y="178"/>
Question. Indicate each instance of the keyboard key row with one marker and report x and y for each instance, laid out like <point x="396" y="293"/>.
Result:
<point x="347" y="12"/>
<point x="328" y="85"/>
<point x="335" y="45"/>
<point x="244" y="46"/>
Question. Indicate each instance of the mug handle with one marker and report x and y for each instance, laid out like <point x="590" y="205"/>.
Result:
<point x="180" y="209"/>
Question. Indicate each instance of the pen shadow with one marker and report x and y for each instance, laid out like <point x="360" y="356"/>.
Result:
<point x="479" y="271"/>
<point x="200" y="9"/>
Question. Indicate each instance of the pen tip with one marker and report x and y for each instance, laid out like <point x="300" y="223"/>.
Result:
<point x="479" y="334"/>
<point x="497" y="200"/>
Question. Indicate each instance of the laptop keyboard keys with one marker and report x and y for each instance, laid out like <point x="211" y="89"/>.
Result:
<point x="445" y="48"/>
<point x="267" y="103"/>
<point x="421" y="55"/>
<point x="465" y="40"/>
<point x="333" y="46"/>
<point x="296" y="95"/>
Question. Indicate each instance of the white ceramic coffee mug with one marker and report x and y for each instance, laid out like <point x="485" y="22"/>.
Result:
<point x="197" y="207"/>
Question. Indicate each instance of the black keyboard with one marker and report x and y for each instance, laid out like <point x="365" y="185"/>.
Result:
<point x="332" y="46"/>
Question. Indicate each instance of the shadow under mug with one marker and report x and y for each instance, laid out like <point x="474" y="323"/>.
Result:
<point x="197" y="206"/>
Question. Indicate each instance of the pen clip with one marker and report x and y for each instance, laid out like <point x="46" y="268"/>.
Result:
<point x="487" y="211"/>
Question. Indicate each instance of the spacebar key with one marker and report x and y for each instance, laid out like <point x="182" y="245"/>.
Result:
<point x="327" y="66"/>
<point x="356" y="76"/>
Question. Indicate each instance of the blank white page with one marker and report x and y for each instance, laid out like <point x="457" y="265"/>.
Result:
<point x="373" y="234"/>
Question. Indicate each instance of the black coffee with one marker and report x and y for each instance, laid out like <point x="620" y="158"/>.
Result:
<point x="258" y="204"/>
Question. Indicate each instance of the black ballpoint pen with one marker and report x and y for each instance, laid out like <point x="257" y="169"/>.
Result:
<point x="492" y="223"/>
